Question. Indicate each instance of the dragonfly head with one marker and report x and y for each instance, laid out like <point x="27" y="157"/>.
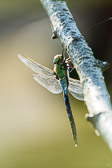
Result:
<point x="57" y="59"/>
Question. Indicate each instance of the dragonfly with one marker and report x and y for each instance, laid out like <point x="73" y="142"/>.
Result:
<point x="57" y="81"/>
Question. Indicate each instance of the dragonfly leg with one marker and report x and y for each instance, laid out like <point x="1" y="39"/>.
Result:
<point x="69" y="65"/>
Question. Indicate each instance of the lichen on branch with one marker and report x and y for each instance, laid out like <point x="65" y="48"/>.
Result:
<point x="89" y="69"/>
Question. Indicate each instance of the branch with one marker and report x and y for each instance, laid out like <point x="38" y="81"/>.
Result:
<point x="88" y="68"/>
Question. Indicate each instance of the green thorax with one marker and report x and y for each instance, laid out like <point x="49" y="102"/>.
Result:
<point x="59" y="66"/>
<point x="60" y="69"/>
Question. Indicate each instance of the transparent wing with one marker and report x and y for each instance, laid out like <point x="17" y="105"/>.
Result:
<point x="49" y="82"/>
<point x="75" y="89"/>
<point x="35" y="66"/>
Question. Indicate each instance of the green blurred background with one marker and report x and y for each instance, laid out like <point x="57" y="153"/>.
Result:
<point x="34" y="129"/>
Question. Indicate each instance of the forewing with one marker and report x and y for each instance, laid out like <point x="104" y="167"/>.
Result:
<point x="35" y="66"/>
<point x="49" y="82"/>
<point x="75" y="89"/>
